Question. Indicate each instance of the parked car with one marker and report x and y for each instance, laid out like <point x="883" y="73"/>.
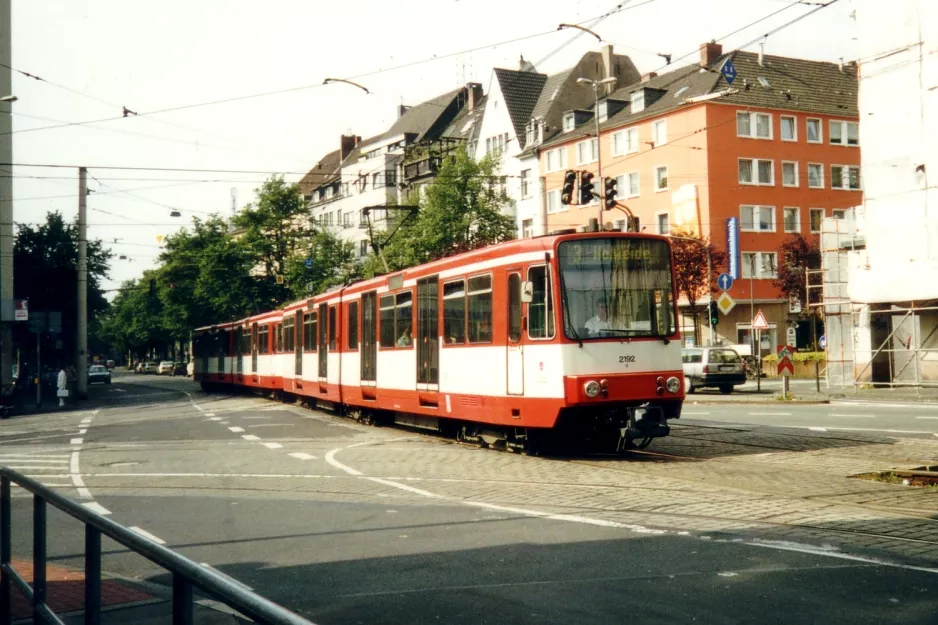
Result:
<point x="719" y="367"/>
<point x="150" y="367"/>
<point x="99" y="373"/>
<point x="179" y="368"/>
<point x="165" y="367"/>
<point x="109" y="364"/>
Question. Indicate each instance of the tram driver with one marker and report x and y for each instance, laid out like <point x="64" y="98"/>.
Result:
<point x="598" y="322"/>
<point x="405" y="339"/>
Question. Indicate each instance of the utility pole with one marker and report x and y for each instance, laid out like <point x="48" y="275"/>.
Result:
<point x="6" y="198"/>
<point x="599" y="151"/>
<point x="82" y="365"/>
<point x="754" y="338"/>
<point x="709" y="287"/>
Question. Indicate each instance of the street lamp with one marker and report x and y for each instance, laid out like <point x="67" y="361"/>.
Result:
<point x="9" y="98"/>
<point x="599" y="151"/>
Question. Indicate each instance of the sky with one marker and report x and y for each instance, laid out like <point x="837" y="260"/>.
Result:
<point x="269" y="61"/>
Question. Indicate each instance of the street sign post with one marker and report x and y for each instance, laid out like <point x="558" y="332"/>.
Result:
<point x="309" y="263"/>
<point x="732" y="247"/>
<point x="785" y="367"/>
<point x="21" y="313"/>
<point x="759" y="323"/>
<point x="725" y="282"/>
<point x="792" y="335"/>
<point x="725" y="303"/>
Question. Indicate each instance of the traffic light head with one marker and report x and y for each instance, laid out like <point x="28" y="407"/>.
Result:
<point x="714" y="313"/>
<point x="586" y="187"/>
<point x="610" y="193"/>
<point x="569" y="181"/>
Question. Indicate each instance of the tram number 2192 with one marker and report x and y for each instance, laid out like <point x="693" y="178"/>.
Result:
<point x="626" y="359"/>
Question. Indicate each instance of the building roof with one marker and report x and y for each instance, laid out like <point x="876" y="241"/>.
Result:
<point x="467" y="123"/>
<point x="790" y="84"/>
<point x="549" y="91"/>
<point x="323" y="171"/>
<point x="423" y="120"/>
<point x="521" y="91"/>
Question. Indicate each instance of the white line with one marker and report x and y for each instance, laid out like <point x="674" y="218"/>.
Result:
<point x="215" y="419"/>
<point x="31" y="467"/>
<point x="272" y="445"/>
<point x="840" y="429"/>
<point x="29" y="460"/>
<point x="250" y="437"/>
<point x="146" y="534"/>
<point x="94" y="506"/>
<point x="926" y="417"/>
<point x="83" y="431"/>
<point x="769" y="414"/>
<point x="563" y="517"/>
<point x="818" y="429"/>
<point x="209" y="414"/>
<point x="199" y="408"/>
<point x="410" y="489"/>
<point x="857" y="416"/>
<point x="77" y="441"/>
<point x="57" y="456"/>
<point x="236" y="429"/>
<point x="820" y="551"/>
<point x="300" y="455"/>
<point x="686" y="412"/>
<point x="75" y="474"/>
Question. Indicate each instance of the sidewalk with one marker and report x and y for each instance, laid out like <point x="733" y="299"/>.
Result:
<point x="805" y="392"/>
<point x="122" y="601"/>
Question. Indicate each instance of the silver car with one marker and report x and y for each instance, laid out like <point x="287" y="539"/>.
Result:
<point x="99" y="373"/>
<point x="719" y="367"/>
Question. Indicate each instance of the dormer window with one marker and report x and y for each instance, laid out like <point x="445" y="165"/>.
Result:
<point x="603" y="111"/>
<point x="638" y="101"/>
<point x="569" y="122"/>
<point x="531" y="134"/>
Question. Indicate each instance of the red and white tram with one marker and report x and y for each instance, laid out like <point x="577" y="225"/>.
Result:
<point x="571" y="333"/>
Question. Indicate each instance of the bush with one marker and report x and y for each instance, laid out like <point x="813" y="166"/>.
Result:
<point x="799" y="357"/>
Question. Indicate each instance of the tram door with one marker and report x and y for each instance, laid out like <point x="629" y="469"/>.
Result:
<point x="515" y="348"/>
<point x="298" y="344"/>
<point x="369" y="370"/>
<point x="254" y="348"/>
<point x="239" y="348"/>
<point x="323" y="342"/>
<point x="428" y="334"/>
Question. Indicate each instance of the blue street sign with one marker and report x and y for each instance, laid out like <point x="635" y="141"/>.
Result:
<point x="732" y="246"/>
<point x="309" y="263"/>
<point x="823" y="342"/>
<point x="729" y="72"/>
<point x="725" y="282"/>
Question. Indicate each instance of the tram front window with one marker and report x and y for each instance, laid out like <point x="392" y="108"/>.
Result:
<point x="617" y="287"/>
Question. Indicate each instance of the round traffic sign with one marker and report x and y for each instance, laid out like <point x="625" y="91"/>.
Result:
<point x="725" y="282"/>
<point x="823" y="342"/>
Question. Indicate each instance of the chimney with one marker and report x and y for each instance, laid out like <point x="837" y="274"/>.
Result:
<point x="761" y="54"/>
<point x="348" y="144"/>
<point x="606" y="52"/>
<point x="475" y="94"/>
<point x="710" y="52"/>
<point x="401" y="109"/>
<point x="649" y="76"/>
<point x="840" y="65"/>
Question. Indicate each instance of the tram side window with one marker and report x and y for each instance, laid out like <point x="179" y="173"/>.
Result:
<point x="332" y="329"/>
<point x="387" y="321"/>
<point x="289" y="335"/>
<point x="246" y="340"/>
<point x="403" y="326"/>
<point x="480" y="309"/>
<point x="263" y="340"/>
<point x="353" y="325"/>
<point x="541" y="308"/>
<point x="454" y="312"/>
<point x="309" y="331"/>
<point x="278" y="330"/>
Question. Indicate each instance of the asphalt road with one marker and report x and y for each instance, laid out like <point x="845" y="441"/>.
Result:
<point x="349" y="524"/>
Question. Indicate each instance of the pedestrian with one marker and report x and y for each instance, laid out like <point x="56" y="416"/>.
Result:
<point x="62" y="385"/>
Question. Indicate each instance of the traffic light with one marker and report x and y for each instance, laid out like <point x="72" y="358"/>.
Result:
<point x="569" y="181"/>
<point x="610" y="192"/>
<point x="714" y="313"/>
<point x="586" y="187"/>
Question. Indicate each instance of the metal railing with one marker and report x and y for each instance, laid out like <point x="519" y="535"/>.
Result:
<point x="187" y="575"/>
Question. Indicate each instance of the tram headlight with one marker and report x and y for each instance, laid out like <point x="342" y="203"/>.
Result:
<point x="673" y="385"/>
<point x="591" y="388"/>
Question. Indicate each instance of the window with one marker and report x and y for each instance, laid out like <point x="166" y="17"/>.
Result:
<point x="541" y="307"/>
<point x="816" y="215"/>
<point x="625" y="142"/>
<point x="527" y="228"/>
<point x="792" y="219"/>
<point x="309" y="331"/>
<point x="586" y="152"/>
<point x="815" y="175"/>
<point x="386" y="306"/>
<point x="663" y="226"/>
<point x="839" y="213"/>
<point x="637" y="100"/>
<point x="333" y="330"/>
<point x="525" y="183"/>
<point x="628" y="184"/>
<point x="569" y="122"/>
<point x="404" y="319"/>
<point x="363" y="248"/>
<point x="659" y="132"/>
<point x="353" y="326"/>
<point x="789" y="174"/>
<point x="556" y="159"/>
<point x="263" y="339"/>
<point x="757" y="218"/>
<point x="845" y="177"/>
<point x="278" y="330"/>
<point x="844" y="133"/>
<point x="754" y="125"/>
<point x="454" y="312"/>
<point x="390" y="177"/>
<point x="289" y="334"/>
<point x="514" y="308"/>
<point x="376" y="180"/>
<point x="789" y="128"/>
<point x="756" y="171"/>
<point x="603" y="111"/>
<point x="759" y="265"/>
<point x="553" y="202"/>
<point x="480" y="309"/>
<point x="814" y="131"/>
<point x="661" y="178"/>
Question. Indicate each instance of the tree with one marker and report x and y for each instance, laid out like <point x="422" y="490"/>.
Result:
<point x="690" y="269"/>
<point x="795" y="254"/>
<point x="332" y="263"/>
<point x="461" y="210"/>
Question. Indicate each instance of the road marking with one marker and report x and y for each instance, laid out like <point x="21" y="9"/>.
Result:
<point x="272" y="445"/>
<point x="236" y="429"/>
<point x="215" y="419"/>
<point x="827" y="552"/>
<point x="840" y="429"/>
<point x="199" y="408"/>
<point x="77" y="441"/>
<point x="75" y="474"/>
<point x="769" y="414"/>
<point x="83" y="431"/>
<point x="30" y="460"/>
<point x="299" y="455"/>
<point x="685" y="412"/>
<point x="146" y="534"/>
<point x="250" y="437"/>
<point x="209" y="414"/>
<point x="273" y="425"/>
<point x="410" y="489"/>
<point x="94" y="506"/>
<point x="86" y="421"/>
<point x="926" y="417"/>
<point x="856" y="416"/>
<point x="565" y="517"/>
<point x="818" y="429"/>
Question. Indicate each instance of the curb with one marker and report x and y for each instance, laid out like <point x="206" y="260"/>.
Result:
<point x="758" y="402"/>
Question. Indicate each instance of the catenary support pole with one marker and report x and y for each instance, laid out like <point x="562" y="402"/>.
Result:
<point x="82" y="364"/>
<point x="6" y="197"/>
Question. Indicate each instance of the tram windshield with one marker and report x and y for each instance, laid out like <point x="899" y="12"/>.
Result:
<point x="616" y="287"/>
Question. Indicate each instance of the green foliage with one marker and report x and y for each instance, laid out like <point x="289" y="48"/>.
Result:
<point x="460" y="210"/>
<point x="333" y="263"/>
<point x="799" y="357"/>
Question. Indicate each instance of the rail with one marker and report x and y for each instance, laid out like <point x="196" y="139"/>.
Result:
<point x="187" y="575"/>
